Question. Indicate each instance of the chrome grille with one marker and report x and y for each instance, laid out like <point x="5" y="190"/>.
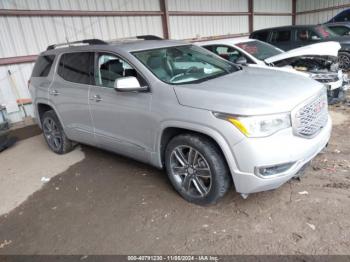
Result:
<point x="310" y="118"/>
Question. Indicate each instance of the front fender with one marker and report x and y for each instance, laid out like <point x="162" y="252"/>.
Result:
<point x="206" y="130"/>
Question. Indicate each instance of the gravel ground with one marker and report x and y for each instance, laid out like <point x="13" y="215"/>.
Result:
<point x="107" y="204"/>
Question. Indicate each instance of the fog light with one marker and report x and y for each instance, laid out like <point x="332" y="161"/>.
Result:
<point x="267" y="171"/>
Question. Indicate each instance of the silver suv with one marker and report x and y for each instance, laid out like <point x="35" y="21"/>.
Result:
<point x="175" y="105"/>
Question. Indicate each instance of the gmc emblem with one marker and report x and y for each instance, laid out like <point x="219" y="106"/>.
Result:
<point x="319" y="106"/>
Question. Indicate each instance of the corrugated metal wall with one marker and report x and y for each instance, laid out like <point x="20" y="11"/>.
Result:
<point x="318" y="17"/>
<point x="272" y="6"/>
<point x="184" y="27"/>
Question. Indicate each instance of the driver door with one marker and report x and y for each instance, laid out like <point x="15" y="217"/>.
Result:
<point x="122" y="120"/>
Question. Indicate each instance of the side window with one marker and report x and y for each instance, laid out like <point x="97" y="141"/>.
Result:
<point x="77" y="67"/>
<point x="43" y="66"/>
<point x="306" y="35"/>
<point x="110" y="67"/>
<point x="281" y="36"/>
<point x="263" y="35"/>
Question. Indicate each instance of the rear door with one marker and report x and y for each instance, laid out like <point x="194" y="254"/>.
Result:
<point x="70" y="95"/>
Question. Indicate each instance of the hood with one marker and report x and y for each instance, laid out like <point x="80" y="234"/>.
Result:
<point x="250" y="91"/>
<point x="319" y="49"/>
<point x="345" y="39"/>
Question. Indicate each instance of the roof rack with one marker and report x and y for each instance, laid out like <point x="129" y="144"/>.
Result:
<point x="85" y="41"/>
<point x="149" y="37"/>
<point x="135" y="38"/>
<point x="101" y="42"/>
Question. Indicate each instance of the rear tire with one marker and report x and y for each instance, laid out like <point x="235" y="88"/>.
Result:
<point x="54" y="134"/>
<point x="197" y="169"/>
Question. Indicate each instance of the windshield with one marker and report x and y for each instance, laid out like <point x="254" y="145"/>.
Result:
<point x="259" y="50"/>
<point x="325" y="31"/>
<point x="184" y="64"/>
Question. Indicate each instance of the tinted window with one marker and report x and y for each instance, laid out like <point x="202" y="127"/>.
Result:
<point x="77" y="67"/>
<point x="281" y="36"/>
<point x="43" y="66"/>
<point x="261" y="35"/>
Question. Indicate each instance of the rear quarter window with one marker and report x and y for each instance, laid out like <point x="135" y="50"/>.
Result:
<point x="43" y="66"/>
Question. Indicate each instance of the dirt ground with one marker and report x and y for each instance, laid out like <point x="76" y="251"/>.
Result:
<point x="107" y="204"/>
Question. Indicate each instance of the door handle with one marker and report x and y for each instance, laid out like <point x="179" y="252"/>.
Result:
<point x="54" y="92"/>
<point x="96" y="98"/>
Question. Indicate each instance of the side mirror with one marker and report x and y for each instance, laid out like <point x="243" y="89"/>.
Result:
<point x="241" y="60"/>
<point x="128" y="84"/>
<point x="315" y="38"/>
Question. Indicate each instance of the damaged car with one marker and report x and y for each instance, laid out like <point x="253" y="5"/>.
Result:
<point x="208" y="122"/>
<point x="318" y="61"/>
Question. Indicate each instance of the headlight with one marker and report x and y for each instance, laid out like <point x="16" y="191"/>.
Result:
<point x="258" y="126"/>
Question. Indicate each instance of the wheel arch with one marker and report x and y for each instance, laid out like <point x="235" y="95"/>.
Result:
<point x="42" y="107"/>
<point x="171" y="130"/>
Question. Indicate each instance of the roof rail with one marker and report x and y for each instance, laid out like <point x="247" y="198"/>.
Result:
<point x="85" y="41"/>
<point x="133" y="38"/>
<point x="149" y="37"/>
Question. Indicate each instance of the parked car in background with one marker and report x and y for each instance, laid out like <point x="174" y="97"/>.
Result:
<point x="340" y="28"/>
<point x="6" y="141"/>
<point x="291" y="37"/>
<point x="175" y="105"/>
<point x="343" y="16"/>
<point x="319" y="61"/>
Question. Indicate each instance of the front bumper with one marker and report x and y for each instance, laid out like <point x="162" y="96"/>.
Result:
<point x="282" y="147"/>
<point x="334" y="85"/>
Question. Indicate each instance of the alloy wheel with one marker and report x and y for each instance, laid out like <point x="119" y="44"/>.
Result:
<point x="190" y="171"/>
<point x="52" y="133"/>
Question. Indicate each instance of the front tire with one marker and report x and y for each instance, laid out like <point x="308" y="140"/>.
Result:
<point x="197" y="169"/>
<point x="344" y="60"/>
<point x="54" y="134"/>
